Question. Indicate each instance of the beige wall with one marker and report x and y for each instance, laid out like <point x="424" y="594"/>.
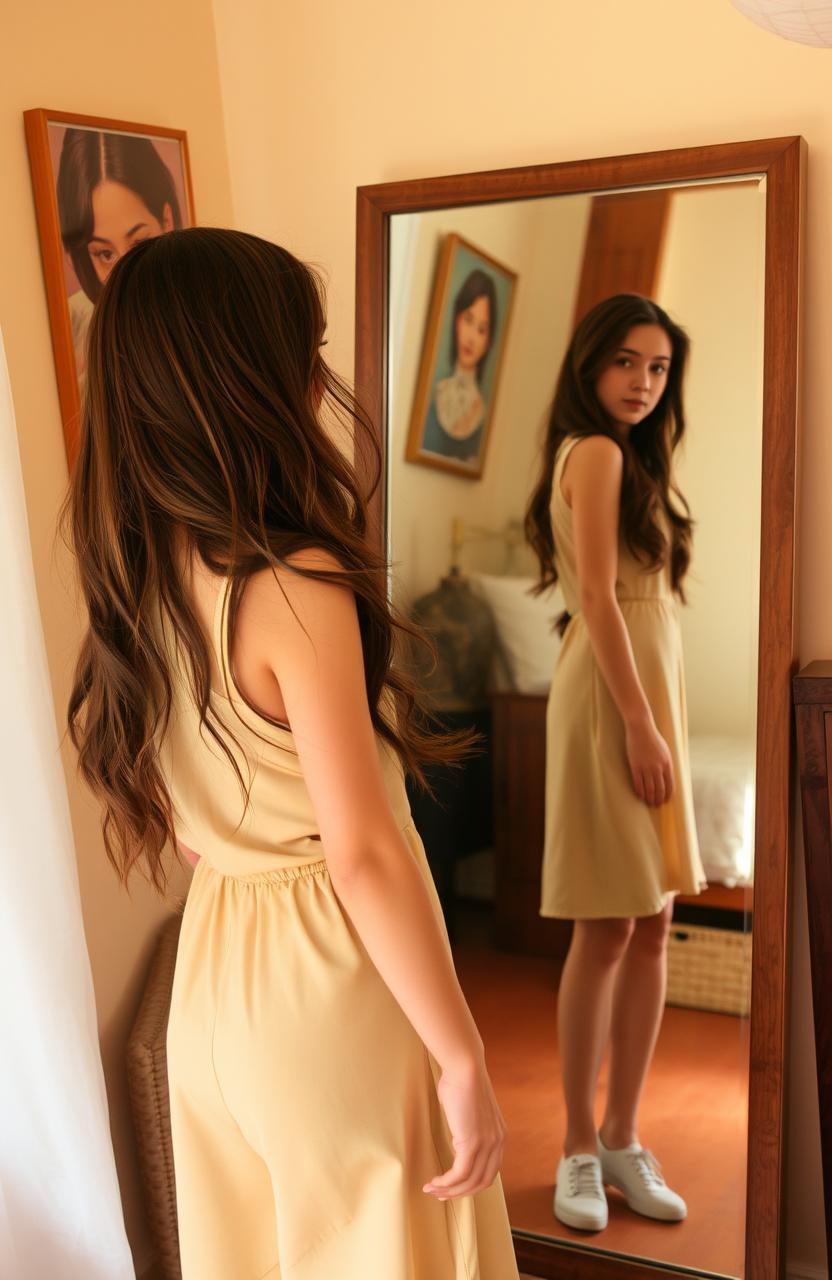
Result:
<point x="322" y="97"/>
<point x="720" y="303"/>
<point x="540" y="240"/>
<point x="155" y="65"/>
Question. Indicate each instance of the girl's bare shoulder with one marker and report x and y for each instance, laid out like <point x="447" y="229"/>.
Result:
<point x="596" y="450"/>
<point x="592" y="461"/>
<point x="279" y="601"/>
<point x="273" y="580"/>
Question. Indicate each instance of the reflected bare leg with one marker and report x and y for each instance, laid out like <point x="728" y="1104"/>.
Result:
<point x="584" y="1003"/>
<point x="637" y="1007"/>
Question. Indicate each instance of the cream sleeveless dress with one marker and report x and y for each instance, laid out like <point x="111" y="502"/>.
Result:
<point x="606" y="852"/>
<point x="304" y="1113"/>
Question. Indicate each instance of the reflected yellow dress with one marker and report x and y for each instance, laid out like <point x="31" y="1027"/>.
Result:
<point x="606" y="852"/>
<point x="304" y="1112"/>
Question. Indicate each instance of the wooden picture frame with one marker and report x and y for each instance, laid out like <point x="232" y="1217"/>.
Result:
<point x="453" y="406"/>
<point x="782" y="162"/>
<point x="149" y="191"/>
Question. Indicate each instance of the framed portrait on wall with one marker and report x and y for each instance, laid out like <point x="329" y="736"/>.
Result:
<point x="99" y="186"/>
<point x="462" y="356"/>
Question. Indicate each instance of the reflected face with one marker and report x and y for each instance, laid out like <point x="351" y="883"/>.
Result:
<point x="120" y="220"/>
<point x="473" y="333"/>
<point x="634" y="382"/>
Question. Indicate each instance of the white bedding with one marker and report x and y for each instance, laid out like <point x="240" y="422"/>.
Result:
<point x="722" y="773"/>
<point x="527" y="647"/>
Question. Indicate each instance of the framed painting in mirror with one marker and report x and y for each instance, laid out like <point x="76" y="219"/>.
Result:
<point x="462" y="356"/>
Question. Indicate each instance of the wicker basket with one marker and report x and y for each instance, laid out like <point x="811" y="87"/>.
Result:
<point x="709" y="969"/>
<point x="147" y="1079"/>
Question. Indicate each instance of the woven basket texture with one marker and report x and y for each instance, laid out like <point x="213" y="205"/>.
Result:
<point x="709" y="968"/>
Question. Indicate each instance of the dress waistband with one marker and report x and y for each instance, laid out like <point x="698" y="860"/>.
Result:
<point x="664" y="598"/>
<point x="275" y="875"/>
<point x="661" y="599"/>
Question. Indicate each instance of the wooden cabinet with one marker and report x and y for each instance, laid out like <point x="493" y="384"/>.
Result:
<point x="519" y="754"/>
<point x="812" y="689"/>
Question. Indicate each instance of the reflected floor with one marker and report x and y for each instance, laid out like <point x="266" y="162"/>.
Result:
<point x="693" y="1117"/>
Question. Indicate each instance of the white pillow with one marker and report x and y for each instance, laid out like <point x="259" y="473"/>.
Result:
<point x="524" y="627"/>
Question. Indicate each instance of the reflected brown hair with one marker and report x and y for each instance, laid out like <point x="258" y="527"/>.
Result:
<point x="647" y="484"/>
<point x="202" y="411"/>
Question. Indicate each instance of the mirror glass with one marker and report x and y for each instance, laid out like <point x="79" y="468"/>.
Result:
<point x="483" y="301"/>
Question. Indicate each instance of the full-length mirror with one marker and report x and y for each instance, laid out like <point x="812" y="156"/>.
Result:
<point x="483" y="303"/>
<point x="645" y="1027"/>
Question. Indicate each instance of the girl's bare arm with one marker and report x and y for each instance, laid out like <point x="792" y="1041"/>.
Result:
<point x="318" y="664"/>
<point x="591" y="483"/>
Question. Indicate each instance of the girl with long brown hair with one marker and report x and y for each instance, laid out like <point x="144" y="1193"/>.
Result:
<point x="238" y="697"/>
<point x="607" y="521"/>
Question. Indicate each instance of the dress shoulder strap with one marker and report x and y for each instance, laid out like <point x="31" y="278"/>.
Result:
<point x="564" y="449"/>
<point x="276" y="732"/>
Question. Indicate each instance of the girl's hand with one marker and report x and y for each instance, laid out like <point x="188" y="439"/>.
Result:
<point x="477" y="1132"/>
<point x="650" y="762"/>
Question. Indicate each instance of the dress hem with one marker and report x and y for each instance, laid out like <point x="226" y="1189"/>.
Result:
<point x="618" y="914"/>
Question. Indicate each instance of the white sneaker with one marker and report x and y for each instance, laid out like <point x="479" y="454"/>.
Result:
<point x="636" y="1173"/>
<point x="579" y="1195"/>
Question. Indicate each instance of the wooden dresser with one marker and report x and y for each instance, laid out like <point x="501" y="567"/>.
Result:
<point x="518" y="740"/>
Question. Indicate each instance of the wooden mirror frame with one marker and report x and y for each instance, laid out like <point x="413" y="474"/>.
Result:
<point x="782" y="162"/>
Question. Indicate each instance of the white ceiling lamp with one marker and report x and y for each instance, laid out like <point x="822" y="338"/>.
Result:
<point x="806" y="21"/>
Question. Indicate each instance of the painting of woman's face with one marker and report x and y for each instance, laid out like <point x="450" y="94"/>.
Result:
<point x="120" y="220"/>
<point x="101" y="186"/>
<point x="462" y="354"/>
<point x="473" y="333"/>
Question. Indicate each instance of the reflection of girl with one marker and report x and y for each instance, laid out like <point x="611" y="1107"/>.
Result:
<point x="620" y="834"/>
<point x="455" y="419"/>
<point x="331" y="1111"/>
<point x="113" y="190"/>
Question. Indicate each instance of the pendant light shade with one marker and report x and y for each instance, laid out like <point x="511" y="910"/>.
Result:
<point x="806" y="21"/>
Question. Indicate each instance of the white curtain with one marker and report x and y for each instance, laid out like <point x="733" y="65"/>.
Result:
<point x="60" y="1212"/>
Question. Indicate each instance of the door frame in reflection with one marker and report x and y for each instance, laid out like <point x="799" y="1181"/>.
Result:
<point x="782" y="162"/>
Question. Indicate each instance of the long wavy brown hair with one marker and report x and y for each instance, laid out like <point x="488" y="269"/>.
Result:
<point x="203" y="409"/>
<point x="647" y="482"/>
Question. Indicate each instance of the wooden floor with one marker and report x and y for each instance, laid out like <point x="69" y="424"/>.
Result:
<point x="693" y="1116"/>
